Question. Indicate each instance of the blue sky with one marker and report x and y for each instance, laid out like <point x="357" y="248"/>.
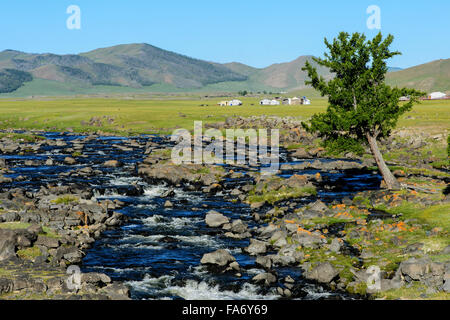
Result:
<point x="257" y="33"/>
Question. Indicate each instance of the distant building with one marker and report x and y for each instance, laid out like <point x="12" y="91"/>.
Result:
<point x="306" y="101"/>
<point x="295" y="101"/>
<point x="404" y="98"/>
<point x="286" y="101"/>
<point x="437" y="95"/>
<point x="235" y="102"/>
<point x="265" y="102"/>
<point x="269" y="102"/>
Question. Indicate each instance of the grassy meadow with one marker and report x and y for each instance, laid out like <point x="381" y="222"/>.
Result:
<point x="162" y="115"/>
<point x="135" y="115"/>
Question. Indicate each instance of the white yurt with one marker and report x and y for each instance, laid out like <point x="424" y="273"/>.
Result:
<point x="436" y="95"/>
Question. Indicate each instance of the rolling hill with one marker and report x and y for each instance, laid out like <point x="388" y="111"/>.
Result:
<point x="152" y="65"/>
<point x="146" y="68"/>
<point x="289" y="75"/>
<point x="432" y="76"/>
<point x="133" y="66"/>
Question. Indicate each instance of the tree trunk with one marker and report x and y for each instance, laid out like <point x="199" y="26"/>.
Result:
<point x="388" y="177"/>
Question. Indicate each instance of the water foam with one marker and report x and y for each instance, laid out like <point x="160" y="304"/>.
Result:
<point x="194" y="290"/>
<point x="175" y="223"/>
<point x="203" y="241"/>
<point x="155" y="191"/>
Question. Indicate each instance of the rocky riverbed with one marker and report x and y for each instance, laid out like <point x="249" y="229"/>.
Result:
<point x="140" y="227"/>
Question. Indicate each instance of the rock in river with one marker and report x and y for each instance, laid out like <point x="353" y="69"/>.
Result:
<point x="215" y="219"/>
<point x="219" y="260"/>
<point x="112" y="163"/>
<point x="69" y="160"/>
<point x="256" y="247"/>
<point x="265" y="278"/>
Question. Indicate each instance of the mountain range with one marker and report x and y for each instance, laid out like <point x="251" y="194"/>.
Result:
<point x="146" y="68"/>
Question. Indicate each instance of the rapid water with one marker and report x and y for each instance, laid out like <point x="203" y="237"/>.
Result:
<point x="158" y="251"/>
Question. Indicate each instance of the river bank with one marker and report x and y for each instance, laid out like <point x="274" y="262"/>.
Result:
<point x="141" y="227"/>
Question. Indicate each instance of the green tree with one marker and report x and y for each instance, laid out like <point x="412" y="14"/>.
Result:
<point x="448" y="146"/>
<point x="361" y="107"/>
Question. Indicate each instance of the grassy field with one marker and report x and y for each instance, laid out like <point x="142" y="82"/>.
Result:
<point x="162" y="115"/>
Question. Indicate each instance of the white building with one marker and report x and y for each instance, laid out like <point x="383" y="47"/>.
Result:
<point x="265" y="102"/>
<point x="268" y="102"/>
<point x="235" y="102"/>
<point x="436" y="95"/>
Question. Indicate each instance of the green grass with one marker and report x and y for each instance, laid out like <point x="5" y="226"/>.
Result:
<point x="65" y="200"/>
<point x="21" y="225"/>
<point x="436" y="149"/>
<point x="204" y="170"/>
<point x="164" y="113"/>
<point x="29" y="253"/>
<point x="432" y="216"/>
<point x="281" y="194"/>
<point x="426" y="219"/>
<point x="416" y="291"/>
<point x="140" y="116"/>
<point x="21" y="137"/>
<point x="14" y="225"/>
<point x="48" y="232"/>
<point x="417" y="171"/>
<point x="430" y="116"/>
<point x="362" y="200"/>
<point x="341" y="262"/>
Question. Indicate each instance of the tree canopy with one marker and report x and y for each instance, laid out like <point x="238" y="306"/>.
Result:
<point x="361" y="107"/>
<point x="360" y="102"/>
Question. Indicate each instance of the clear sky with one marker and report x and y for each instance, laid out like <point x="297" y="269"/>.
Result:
<point x="254" y="32"/>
